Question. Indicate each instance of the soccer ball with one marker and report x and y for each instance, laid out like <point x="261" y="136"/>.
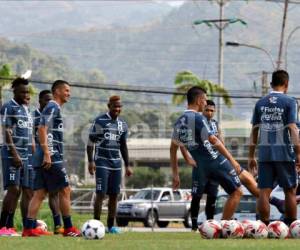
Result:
<point x="295" y="229"/>
<point x="260" y="230"/>
<point x="278" y="230"/>
<point x="93" y="230"/>
<point x="41" y="225"/>
<point x="248" y="227"/>
<point x="210" y="229"/>
<point x="233" y="229"/>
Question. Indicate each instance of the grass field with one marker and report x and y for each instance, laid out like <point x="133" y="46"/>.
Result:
<point x="143" y="241"/>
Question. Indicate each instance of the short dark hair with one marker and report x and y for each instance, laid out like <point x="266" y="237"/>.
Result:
<point x="19" y="81"/>
<point x="43" y="93"/>
<point x="279" y="77"/>
<point x="210" y="103"/>
<point x="57" y="84"/>
<point x="193" y="93"/>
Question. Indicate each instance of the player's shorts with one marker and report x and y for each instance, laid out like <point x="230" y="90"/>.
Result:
<point x="284" y="173"/>
<point x="13" y="176"/>
<point x="53" y="179"/>
<point x="219" y="170"/>
<point x="108" y="181"/>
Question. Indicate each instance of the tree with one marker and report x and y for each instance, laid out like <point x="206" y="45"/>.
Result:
<point x="184" y="80"/>
<point x="5" y="74"/>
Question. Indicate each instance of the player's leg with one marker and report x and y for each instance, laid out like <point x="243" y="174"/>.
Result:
<point x="211" y="189"/>
<point x="113" y="190"/>
<point x="27" y="194"/>
<point x="11" y="181"/>
<point x="198" y="183"/>
<point x="287" y="179"/>
<point x="223" y="172"/>
<point x="266" y="179"/>
<point x="54" y="207"/>
<point x="249" y="182"/>
<point x="101" y="190"/>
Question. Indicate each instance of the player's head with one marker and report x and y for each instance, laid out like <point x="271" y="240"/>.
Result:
<point x="20" y="88"/>
<point x="114" y="106"/>
<point x="44" y="97"/>
<point x="209" y="109"/>
<point x="61" y="90"/>
<point x="280" y="78"/>
<point x="196" y="96"/>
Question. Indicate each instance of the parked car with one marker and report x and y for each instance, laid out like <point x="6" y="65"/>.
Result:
<point x="160" y="206"/>
<point x="247" y="206"/>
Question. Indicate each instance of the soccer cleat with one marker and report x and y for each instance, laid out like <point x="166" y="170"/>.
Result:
<point x="42" y="232"/>
<point x="114" y="230"/>
<point x="30" y="232"/>
<point x="5" y="232"/>
<point x="71" y="232"/>
<point x="13" y="232"/>
<point x="59" y="230"/>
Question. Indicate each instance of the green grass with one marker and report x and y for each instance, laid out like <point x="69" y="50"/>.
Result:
<point x="143" y="241"/>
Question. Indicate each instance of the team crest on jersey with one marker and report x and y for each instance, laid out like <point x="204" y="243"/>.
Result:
<point x="273" y="99"/>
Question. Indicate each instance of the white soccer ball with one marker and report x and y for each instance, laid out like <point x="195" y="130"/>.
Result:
<point x="278" y="230"/>
<point x="260" y="230"/>
<point x="41" y="225"/>
<point x="93" y="230"/>
<point x="210" y="229"/>
<point x="295" y="229"/>
<point x="233" y="229"/>
<point x="248" y="227"/>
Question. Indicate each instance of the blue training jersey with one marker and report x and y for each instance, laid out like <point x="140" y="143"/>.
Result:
<point x="272" y="114"/>
<point x="108" y="134"/>
<point x="192" y="130"/>
<point x="52" y="118"/>
<point x="18" y="118"/>
<point x="214" y="127"/>
<point x="36" y="123"/>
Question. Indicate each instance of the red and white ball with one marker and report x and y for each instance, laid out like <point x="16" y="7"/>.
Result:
<point x="295" y="229"/>
<point x="233" y="229"/>
<point x="248" y="228"/>
<point x="278" y="230"/>
<point x="42" y="225"/>
<point x="260" y="230"/>
<point x="210" y="229"/>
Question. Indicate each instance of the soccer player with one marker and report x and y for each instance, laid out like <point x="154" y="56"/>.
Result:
<point x="213" y="160"/>
<point x="16" y="153"/>
<point x="44" y="97"/>
<point x="50" y="156"/>
<point x="274" y="120"/>
<point x="108" y="136"/>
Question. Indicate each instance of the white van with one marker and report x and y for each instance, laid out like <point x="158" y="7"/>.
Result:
<point x="247" y="206"/>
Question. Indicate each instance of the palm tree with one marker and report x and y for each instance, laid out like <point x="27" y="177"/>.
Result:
<point x="184" y="80"/>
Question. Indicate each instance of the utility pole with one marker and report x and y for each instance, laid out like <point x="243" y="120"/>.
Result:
<point x="286" y="3"/>
<point x="264" y="83"/>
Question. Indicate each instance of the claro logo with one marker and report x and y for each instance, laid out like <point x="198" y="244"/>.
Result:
<point x="25" y="124"/>
<point x="111" y="137"/>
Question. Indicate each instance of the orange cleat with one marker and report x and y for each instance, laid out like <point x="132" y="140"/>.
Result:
<point x="72" y="232"/>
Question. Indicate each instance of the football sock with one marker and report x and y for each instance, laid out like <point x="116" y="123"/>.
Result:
<point x="110" y="222"/>
<point x="56" y="220"/>
<point x="278" y="203"/>
<point x="29" y="224"/>
<point x="210" y="207"/>
<point x="195" y="205"/>
<point x="3" y="219"/>
<point x="288" y="221"/>
<point x="10" y="220"/>
<point x="67" y="221"/>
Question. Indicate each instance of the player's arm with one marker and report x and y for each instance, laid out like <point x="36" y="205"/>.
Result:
<point x="252" y="164"/>
<point x="187" y="157"/>
<point x="174" y="164"/>
<point x="90" y="149"/>
<point x="294" y="132"/>
<point x="222" y="149"/>
<point x="7" y="123"/>
<point x="220" y="135"/>
<point x="44" y="145"/>
<point x="33" y="144"/>
<point x="125" y="156"/>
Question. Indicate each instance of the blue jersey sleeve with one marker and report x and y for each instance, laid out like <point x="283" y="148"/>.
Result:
<point x="6" y="116"/>
<point x="94" y="131"/>
<point x="47" y="116"/>
<point x="292" y="112"/>
<point x="202" y="128"/>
